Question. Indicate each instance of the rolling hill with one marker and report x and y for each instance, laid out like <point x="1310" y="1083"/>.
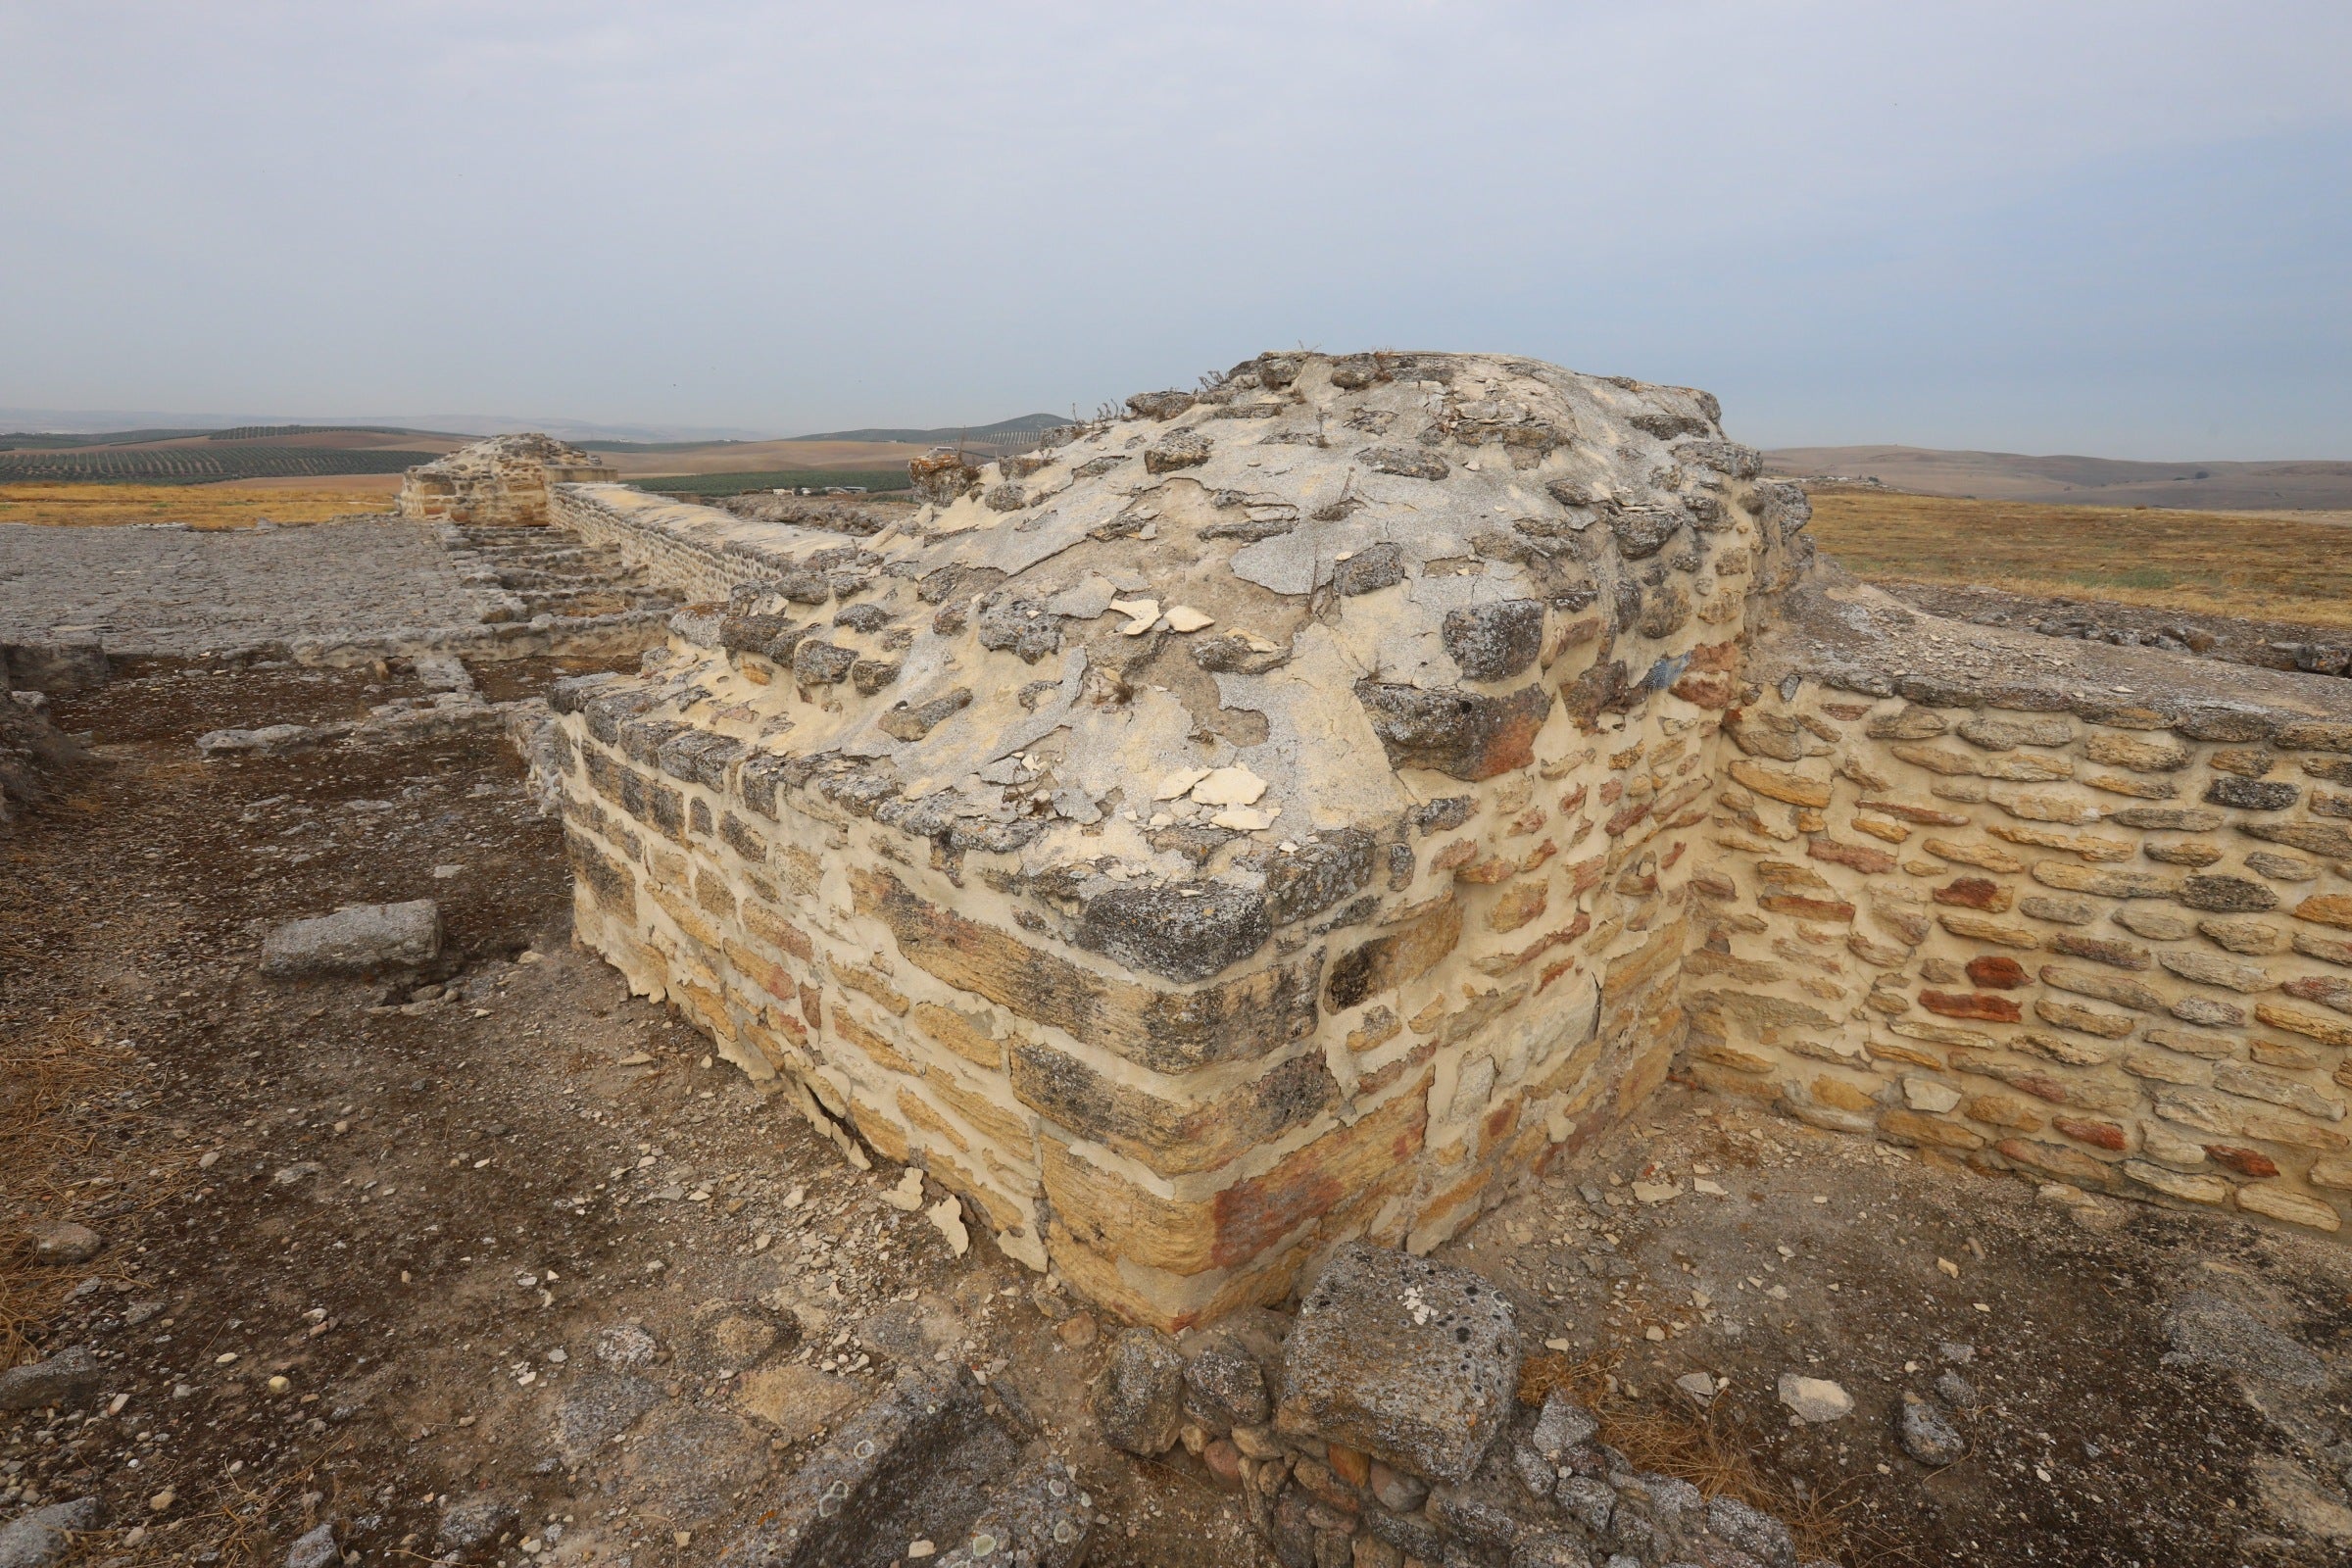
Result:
<point x="2311" y="485"/>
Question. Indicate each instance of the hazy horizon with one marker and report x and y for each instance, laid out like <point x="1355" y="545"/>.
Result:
<point x="2113" y="230"/>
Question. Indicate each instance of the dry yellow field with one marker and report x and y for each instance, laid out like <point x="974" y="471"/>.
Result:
<point x="197" y="505"/>
<point x="2266" y="568"/>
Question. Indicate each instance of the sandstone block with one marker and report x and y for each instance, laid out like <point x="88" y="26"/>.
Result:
<point x="1171" y="1136"/>
<point x="2283" y="1203"/>
<point x="1167" y="1031"/>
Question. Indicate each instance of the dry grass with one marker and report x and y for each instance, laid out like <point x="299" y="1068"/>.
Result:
<point x="49" y="1080"/>
<point x="2266" y="568"/>
<point x="198" y="505"/>
<point x="1670" y="1437"/>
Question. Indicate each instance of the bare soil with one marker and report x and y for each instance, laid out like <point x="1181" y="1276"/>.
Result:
<point x="424" y="1215"/>
<point x="429" y="1210"/>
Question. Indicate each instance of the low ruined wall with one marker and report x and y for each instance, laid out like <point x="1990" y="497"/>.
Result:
<point x="910" y="823"/>
<point x="503" y="482"/>
<point x="700" y="552"/>
<point x="2075" y="913"/>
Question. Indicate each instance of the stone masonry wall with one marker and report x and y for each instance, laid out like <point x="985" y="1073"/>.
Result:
<point x="501" y="483"/>
<point x="1261" y="823"/>
<point x="2080" y="916"/>
<point x="1293" y="813"/>
<point x="698" y="551"/>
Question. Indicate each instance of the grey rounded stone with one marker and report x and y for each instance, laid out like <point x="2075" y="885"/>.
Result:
<point x="354" y="940"/>
<point x="317" y="1549"/>
<point x="42" y="1536"/>
<point x="1224" y="1386"/>
<point x="468" y="1525"/>
<point x="64" y="1379"/>
<point x="67" y="1243"/>
<point x="1928" y="1435"/>
<point x="1139" y="1401"/>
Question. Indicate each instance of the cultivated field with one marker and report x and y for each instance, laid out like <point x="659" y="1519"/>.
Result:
<point x="197" y="505"/>
<point x="2267" y="567"/>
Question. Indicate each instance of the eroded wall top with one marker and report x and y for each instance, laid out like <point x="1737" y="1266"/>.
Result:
<point x="1142" y="660"/>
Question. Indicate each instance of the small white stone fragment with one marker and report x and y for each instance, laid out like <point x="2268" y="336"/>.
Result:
<point x="1925" y="1094"/>
<point x="1656" y="1192"/>
<point x="1145" y="614"/>
<point x="1242" y="819"/>
<point x="1815" y="1399"/>
<point x="1176" y="783"/>
<point x="1700" y="1184"/>
<point x="1183" y="618"/>
<point x="1229" y="786"/>
<point x="907" y="1196"/>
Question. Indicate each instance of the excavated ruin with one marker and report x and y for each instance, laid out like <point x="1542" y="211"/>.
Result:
<point x="1290" y="814"/>
<point x="1211" y="838"/>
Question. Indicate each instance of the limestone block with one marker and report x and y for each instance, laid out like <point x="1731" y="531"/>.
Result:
<point x="1409" y="1361"/>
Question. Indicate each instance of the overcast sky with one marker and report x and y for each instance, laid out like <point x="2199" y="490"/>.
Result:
<point x="2117" y="229"/>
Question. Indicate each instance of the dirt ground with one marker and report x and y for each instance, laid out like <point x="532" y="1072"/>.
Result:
<point x="497" y="1250"/>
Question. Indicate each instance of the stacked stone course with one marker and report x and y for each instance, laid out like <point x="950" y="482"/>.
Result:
<point x="1252" y="826"/>
<point x="2090" y="922"/>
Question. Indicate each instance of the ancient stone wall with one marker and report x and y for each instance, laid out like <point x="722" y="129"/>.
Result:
<point x="1260" y="823"/>
<point x="501" y="483"/>
<point x="2079" y="913"/>
<point x="1291" y="813"/>
<point x="699" y="551"/>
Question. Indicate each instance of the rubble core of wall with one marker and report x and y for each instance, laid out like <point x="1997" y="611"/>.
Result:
<point x="2079" y="912"/>
<point x="500" y="482"/>
<point x="1250" y="825"/>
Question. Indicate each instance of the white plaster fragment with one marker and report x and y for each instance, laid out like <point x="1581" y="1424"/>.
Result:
<point x="948" y="1215"/>
<point x="1176" y="784"/>
<point x="1229" y="786"/>
<point x="1925" y="1094"/>
<point x="908" y="1194"/>
<point x="1183" y="618"/>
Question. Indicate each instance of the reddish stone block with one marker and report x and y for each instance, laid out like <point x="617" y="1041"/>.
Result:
<point x="1861" y="857"/>
<point x="2245" y="1162"/>
<point x="1805" y="908"/>
<point x="1972" y="893"/>
<point x="1973" y="1004"/>
<point x="1999" y="972"/>
<point x="1224" y="1464"/>
<point x="1352" y="1466"/>
<point x="2099" y="1134"/>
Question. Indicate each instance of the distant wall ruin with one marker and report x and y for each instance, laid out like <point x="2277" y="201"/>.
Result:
<point x="501" y="483"/>
<point x="1290" y="814"/>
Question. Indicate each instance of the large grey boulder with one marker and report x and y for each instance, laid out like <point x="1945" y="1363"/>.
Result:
<point x="356" y="939"/>
<point x="40" y="1537"/>
<point x="1139" y="1402"/>
<point x="1412" y="1361"/>
<point x="60" y="667"/>
<point x="64" y="1379"/>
